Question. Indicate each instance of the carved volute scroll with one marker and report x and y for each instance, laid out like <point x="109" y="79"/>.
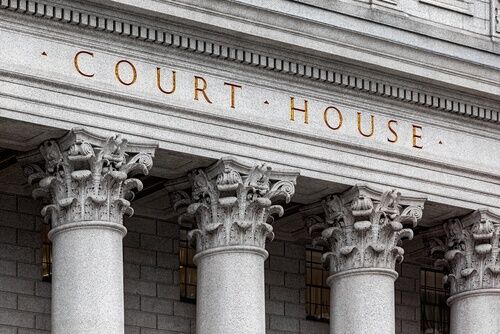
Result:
<point x="363" y="228"/>
<point x="234" y="204"/>
<point x="471" y="252"/>
<point x="88" y="178"/>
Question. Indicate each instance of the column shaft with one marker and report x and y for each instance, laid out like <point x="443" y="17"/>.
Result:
<point x="87" y="278"/>
<point x="361" y="233"/>
<point x="362" y="301"/>
<point x="231" y="296"/>
<point x="232" y="205"/>
<point x="472" y="263"/>
<point x="475" y="312"/>
<point x="87" y="182"/>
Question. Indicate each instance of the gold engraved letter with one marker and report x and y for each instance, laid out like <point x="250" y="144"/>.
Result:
<point x="393" y="131"/>
<point x="293" y="109"/>
<point x="325" y="117"/>
<point x="197" y="89"/>
<point x="117" y="72"/>
<point x="77" y="64"/>
<point x="158" y="82"/>
<point x="372" y="130"/>
<point x="416" y="136"/>
<point x="233" y="93"/>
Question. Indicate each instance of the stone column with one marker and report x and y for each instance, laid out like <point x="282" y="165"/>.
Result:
<point x="361" y="233"/>
<point x="473" y="261"/>
<point x="86" y="181"/>
<point x="233" y="206"/>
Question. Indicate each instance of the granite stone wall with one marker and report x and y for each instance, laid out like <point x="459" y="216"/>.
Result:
<point x="151" y="281"/>
<point x="24" y="298"/>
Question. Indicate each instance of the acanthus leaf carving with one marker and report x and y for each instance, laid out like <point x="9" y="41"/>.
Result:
<point x="364" y="229"/>
<point x="87" y="179"/>
<point x="235" y="206"/>
<point x="471" y="256"/>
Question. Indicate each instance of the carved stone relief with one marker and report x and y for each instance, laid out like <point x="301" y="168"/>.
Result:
<point x="87" y="179"/>
<point x="235" y="206"/>
<point x="364" y="229"/>
<point x="471" y="252"/>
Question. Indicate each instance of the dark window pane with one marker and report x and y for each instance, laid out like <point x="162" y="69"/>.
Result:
<point x="434" y="310"/>
<point x="46" y="254"/>
<point x="187" y="268"/>
<point x="317" y="292"/>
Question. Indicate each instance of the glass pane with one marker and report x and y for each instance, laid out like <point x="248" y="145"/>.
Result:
<point x="317" y="277"/>
<point x="435" y="312"/>
<point x="430" y="279"/>
<point x="187" y="268"/>
<point x="182" y="256"/>
<point x="317" y="292"/>
<point x="191" y="292"/>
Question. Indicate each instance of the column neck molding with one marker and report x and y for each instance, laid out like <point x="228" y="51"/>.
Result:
<point x="471" y="252"/>
<point x="233" y="204"/>
<point x="363" y="228"/>
<point x="161" y="36"/>
<point x="231" y="249"/>
<point x="363" y="271"/>
<point x="85" y="177"/>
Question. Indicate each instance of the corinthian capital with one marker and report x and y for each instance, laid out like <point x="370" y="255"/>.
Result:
<point x="85" y="177"/>
<point x="472" y="252"/>
<point x="362" y="228"/>
<point x="234" y="204"/>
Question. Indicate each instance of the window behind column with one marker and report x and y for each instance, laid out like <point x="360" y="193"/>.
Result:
<point x="317" y="291"/>
<point x="46" y="254"/>
<point x="187" y="269"/>
<point x="435" y="314"/>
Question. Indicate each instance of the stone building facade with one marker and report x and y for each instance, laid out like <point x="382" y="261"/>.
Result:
<point x="216" y="167"/>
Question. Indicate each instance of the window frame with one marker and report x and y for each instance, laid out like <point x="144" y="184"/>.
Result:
<point x="46" y="258"/>
<point x="323" y="304"/>
<point x="185" y="266"/>
<point x="443" y="325"/>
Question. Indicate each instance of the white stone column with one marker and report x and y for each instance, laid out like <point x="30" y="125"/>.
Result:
<point x="233" y="206"/>
<point x="86" y="180"/>
<point x="361" y="233"/>
<point x="473" y="260"/>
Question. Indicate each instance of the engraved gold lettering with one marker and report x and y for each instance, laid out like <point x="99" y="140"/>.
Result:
<point x="372" y="130"/>
<point x="197" y="89"/>
<point x="390" y="124"/>
<point x="293" y="109"/>
<point x="76" y="62"/>
<point x="232" y="92"/>
<point x="158" y="82"/>
<point x="117" y="72"/>
<point x="416" y="135"/>
<point x="340" y="117"/>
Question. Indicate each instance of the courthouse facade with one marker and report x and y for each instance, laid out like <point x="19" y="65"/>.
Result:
<point x="250" y="166"/>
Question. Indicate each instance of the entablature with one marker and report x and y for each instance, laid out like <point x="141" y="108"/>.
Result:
<point x="49" y="89"/>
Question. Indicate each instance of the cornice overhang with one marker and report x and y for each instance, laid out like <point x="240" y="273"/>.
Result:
<point x="337" y="76"/>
